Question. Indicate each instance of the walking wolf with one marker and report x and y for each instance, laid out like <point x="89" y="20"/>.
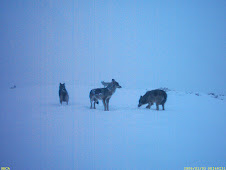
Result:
<point x="154" y="96"/>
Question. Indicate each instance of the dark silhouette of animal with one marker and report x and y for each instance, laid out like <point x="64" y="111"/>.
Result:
<point x="63" y="94"/>
<point x="103" y="94"/>
<point x="154" y="96"/>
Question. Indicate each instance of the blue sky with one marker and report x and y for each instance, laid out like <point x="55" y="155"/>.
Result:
<point x="142" y="44"/>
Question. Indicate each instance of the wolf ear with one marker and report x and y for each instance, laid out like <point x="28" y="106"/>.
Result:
<point x="113" y="80"/>
<point x="141" y="97"/>
<point x="63" y="83"/>
<point x="60" y="83"/>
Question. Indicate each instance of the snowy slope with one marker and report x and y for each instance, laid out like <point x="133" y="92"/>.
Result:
<point x="37" y="133"/>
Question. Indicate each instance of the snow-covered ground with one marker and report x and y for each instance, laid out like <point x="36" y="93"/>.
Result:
<point x="38" y="133"/>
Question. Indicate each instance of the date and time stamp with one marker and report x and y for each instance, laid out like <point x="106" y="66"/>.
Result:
<point x="204" y="168"/>
<point x="185" y="168"/>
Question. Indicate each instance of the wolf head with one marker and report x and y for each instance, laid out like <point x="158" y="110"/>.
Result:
<point x="142" y="101"/>
<point x="62" y="86"/>
<point x="115" y="83"/>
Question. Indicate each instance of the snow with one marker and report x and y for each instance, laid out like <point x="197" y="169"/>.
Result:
<point x="38" y="133"/>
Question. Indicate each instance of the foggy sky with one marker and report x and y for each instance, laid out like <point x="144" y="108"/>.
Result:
<point x="142" y="44"/>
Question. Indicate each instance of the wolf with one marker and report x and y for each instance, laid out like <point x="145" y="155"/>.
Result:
<point x="13" y="87"/>
<point x="103" y="94"/>
<point x="63" y="94"/>
<point x="106" y="83"/>
<point x="154" y="96"/>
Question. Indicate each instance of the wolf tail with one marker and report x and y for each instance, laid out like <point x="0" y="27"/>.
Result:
<point x="165" y="97"/>
<point x="96" y="101"/>
<point x="90" y="94"/>
<point x="103" y="83"/>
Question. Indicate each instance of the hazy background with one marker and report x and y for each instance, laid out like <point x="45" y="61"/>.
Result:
<point x="142" y="44"/>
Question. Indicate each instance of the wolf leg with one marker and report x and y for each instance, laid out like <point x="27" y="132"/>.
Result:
<point x="91" y="104"/>
<point x="67" y="99"/>
<point x="108" y="103"/>
<point x="104" y="104"/>
<point x="163" y="108"/>
<point x="94" y="105"/>
<point x="149" y="105"/>
<point x="61" y="99"/>
<point x="157" y="106"/>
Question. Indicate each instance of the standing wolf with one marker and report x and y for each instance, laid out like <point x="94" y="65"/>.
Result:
<point x="103" y="94"/>
<point x="154" y="96"/>
<point x="63" y="94"/>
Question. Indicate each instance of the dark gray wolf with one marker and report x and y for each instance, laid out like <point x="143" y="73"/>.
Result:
<point x="13" y="87"/>
<point x="63" y="94"/>
<point x="106" y="83"/>
<point x="103" y="94"/>
<point x="154" y="96"/>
